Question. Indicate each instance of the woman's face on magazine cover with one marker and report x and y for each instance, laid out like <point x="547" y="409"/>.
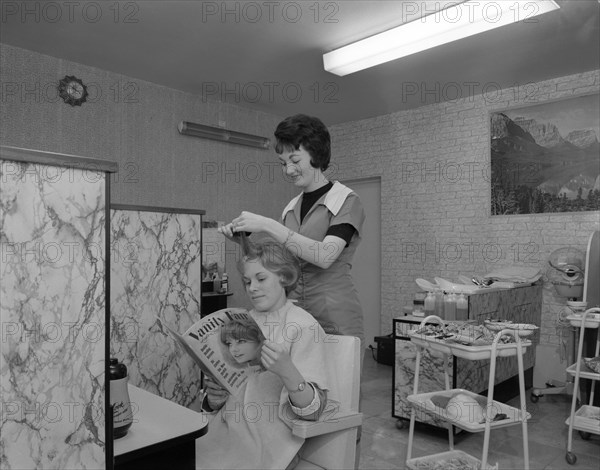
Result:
<point x="243" y="350"/>
<point x="263" y="287"/>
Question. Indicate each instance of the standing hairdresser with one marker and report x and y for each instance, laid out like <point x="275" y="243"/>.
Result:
<point x="322" y="226"/>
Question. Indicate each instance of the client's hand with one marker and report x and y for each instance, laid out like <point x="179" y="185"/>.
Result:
<point x="215" y="394"/>
<point x="275" y="358"/>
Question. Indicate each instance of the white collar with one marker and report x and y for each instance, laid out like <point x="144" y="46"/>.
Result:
<point x="334" y="199"/>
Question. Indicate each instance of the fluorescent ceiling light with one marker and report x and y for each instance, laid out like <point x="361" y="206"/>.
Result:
<point x="223" y="135"/>
<point x="450" y="24"/>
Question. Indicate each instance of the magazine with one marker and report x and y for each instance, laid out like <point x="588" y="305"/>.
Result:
<point x="202" y="341"/>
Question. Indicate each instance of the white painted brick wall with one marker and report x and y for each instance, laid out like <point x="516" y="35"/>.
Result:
<point x="434" y="164"/>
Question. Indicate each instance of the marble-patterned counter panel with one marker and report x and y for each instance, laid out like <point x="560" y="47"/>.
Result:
<point x="52" y="310"/>
<point x="521" y="305"/>
<point x="474" y="375"/>
<point x="156" y="268"/>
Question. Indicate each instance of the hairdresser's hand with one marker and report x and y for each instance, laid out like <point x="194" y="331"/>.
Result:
<point x="215" y="394"/>
<point x="228" y="231"/>
<point x="275" y="358"/>
<point x="250" y="222"/>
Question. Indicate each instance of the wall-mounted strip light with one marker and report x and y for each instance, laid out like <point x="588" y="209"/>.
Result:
<point x="223" y="135"/>
<point x="451" y="24"/>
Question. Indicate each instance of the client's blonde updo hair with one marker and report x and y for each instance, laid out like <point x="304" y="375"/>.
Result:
<point x="274" y="256"/>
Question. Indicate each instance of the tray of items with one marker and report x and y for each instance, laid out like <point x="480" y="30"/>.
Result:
<point x="592" y="320"/>
<point x="589" y="368"/>
<point x="587" y="418"/>
<point x="450" y="460"/>
<point x="466" y="410"/>
<point x="522" y="329"/>
<point x="467" y="340"/>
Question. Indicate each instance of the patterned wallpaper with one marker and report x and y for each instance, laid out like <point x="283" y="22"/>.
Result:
<point x="434" y="164"/>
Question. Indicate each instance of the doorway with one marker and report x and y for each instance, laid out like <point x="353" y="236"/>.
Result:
<point x="366" y="267"/>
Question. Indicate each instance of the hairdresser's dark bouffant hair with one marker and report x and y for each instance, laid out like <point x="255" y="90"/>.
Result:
<point x="274" y="256"/>
<point x="308" y="131"/>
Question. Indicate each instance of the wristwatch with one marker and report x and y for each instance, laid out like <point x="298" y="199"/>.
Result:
<point x="301" y="387"/>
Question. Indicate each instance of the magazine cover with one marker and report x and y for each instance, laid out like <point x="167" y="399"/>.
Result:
<point x="202" y="341"/>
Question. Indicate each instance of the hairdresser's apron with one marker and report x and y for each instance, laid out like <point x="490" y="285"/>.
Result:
<point x="329" y="294"/>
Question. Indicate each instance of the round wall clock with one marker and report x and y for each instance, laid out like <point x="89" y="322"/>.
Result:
<point x="72" y="90"/>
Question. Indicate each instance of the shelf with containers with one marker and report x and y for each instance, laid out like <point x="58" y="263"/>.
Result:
<point x="463" y="408"/>
<point x="585" y="418"/>
<point x="519" y="305"/>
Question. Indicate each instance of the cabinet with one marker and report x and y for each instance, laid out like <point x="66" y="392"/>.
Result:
<point x="163" y="434"/>
<point x="213" y="301"/>
<point x="521" y="305"/>
<point x="586" y="418"/>
<point x="494" y="414"/>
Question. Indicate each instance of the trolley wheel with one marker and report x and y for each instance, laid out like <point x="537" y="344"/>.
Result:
<point x="571" y="458"/>
<point x="535" y="398"/>
<point x="401" y="423"/>
<point x="585" y="435"/>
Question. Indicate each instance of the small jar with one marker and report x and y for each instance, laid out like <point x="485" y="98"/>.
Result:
<point x="224" y="283"/>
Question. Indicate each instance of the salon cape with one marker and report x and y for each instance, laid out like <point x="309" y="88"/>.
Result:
<point x="251" y="431"/>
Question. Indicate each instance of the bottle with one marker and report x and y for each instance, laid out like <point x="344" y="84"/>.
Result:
<point x="462" y="307"/>
<point x="429" y="304"/>
<point x="439" y="303"/>
<point x="225" y="283"/>
<point x="216" y="282"/>
<point x="119" y="398"/>
<point x="450" y="307"/>
<point x="207" y="283"/>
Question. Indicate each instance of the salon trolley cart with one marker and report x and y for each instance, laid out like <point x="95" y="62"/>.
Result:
<point x="586" y="418"/>
<point x="505" y="415"/>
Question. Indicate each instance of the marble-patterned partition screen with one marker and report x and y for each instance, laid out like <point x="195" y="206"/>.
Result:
<point x="52" y="310"/>
<point x="156" y="268"/>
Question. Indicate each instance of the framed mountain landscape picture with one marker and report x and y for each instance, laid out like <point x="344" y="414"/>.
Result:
<point x="546" y="157"/>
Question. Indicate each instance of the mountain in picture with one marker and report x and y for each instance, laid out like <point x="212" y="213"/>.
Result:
<point x="535" y="169"/>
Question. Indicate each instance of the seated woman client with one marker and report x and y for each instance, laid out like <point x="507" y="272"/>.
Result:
<point x="249" y="430"/>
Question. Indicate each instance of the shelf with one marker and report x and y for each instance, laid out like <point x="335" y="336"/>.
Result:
<point x="469" y="412"/>
<point x="473" y="353"/>
<point x="217" y="294"/>
<point x="587" y="418"/>
<point x="584" y="372"/>
<point x="423" y="402"/>
<point x="449" y="459"/>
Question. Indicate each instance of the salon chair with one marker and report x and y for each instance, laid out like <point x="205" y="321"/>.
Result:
<point x="331" y="441"/>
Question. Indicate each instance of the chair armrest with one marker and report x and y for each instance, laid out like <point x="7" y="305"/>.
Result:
<point x="327" y="423"/>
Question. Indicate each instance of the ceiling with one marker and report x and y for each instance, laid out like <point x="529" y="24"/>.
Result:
<point x="267" y="55"/>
